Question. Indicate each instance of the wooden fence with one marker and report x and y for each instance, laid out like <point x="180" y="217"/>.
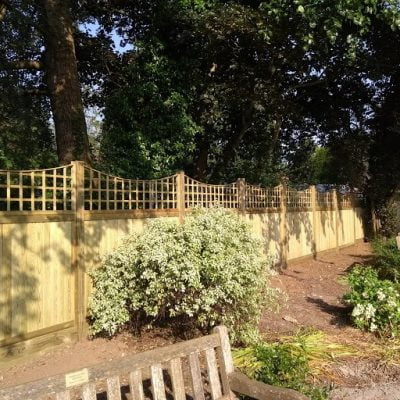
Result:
<point x="56" y="224"/>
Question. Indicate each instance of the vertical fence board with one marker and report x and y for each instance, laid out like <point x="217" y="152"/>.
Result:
<point x="5" y="283"/>
<point x="78" y="238"/>
<point x="283" y="225"/>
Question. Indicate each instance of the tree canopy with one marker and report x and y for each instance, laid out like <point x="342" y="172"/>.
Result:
<point x="222" y="89"/>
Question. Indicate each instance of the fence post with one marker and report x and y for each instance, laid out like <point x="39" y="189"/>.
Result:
<point x="180" y="190"/>
<point x="336" y="209"/>
<point x="313" y="193"/>
<point x="374" y="220"/>
<point x="354" y="210"/>
<point x="78" y="175"/>
<point x="282" y="226"/>
<point x="241" y="192"/>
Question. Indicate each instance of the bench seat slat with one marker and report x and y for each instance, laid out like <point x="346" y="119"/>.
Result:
<point x="136" y="385"/>
<point x="113" y="388"/>
<point x="178" y="384"/>
<point x="224" y="376"/>
<point x="89" y="392"/>
<point x="213" y="376"/>
<point x="195" y="372"/>
<point x="63" y="395"/>
<point x="157" y="382"/>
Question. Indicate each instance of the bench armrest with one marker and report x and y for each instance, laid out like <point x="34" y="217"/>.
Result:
<point x="240" y="383"/>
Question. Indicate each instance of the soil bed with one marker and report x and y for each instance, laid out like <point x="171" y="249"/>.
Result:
<point x="315" y="288"/>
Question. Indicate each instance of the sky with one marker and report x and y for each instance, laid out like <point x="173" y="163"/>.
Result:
<point x="92" y="30"/>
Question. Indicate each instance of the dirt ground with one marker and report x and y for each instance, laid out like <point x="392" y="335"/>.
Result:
<point x="314" y="289"/>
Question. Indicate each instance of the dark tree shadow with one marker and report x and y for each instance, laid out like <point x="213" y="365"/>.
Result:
<point x="340" y="314"/>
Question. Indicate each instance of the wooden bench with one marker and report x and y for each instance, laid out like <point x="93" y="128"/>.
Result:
<point x="198" y="369"/>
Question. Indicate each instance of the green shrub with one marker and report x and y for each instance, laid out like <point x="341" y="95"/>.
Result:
<point x="206" y="271"/>
<point x="387" y="261"/>
<point x="389" y="215"/>
<point x="376" y="302"/>
<point x="279" y="364"/>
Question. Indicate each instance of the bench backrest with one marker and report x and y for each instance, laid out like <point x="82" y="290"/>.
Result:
<point x="198" y="368"/>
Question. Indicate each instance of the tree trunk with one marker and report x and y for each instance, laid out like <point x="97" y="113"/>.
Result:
<point x="63" y="82"/>
<point x="201" y="162"/>
<point x="230" y="150"/>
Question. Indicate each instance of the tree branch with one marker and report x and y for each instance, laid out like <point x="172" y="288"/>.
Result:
<point x="37" y="91"/>
<point x="307" y="84"/>
<point x="23" y="64"/>
<point x="3" y="9"/>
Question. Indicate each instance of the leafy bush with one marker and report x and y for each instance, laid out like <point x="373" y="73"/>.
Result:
<point x="206" y="271"/>
<point x="387" y="261"/>
<point x="376" y="302"/>
<point x="389" y="215"/>
<point x="279" y="364"/>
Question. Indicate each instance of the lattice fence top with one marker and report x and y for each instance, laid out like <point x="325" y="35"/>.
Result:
<point x="298" y="198"/>
<point x="258" y="197"/>
<point x="325" y="199"/>
<point x="36" y="190"/>
<point x="198" y="194"/>
<point x="53" y="190"/>
<point x="107" y="192"/>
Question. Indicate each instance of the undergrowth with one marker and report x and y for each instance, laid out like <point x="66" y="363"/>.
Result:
<point x="387" y="259"/>
<point x="292" y="361"/>
<point x="375" y="291"/>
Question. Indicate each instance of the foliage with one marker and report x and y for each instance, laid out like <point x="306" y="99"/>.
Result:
<point x="375" y="302"/>
<point x="207" y="271"/>
<point x="235" y="88"/>
<point x="387" y="261"/>
<point x="389" y="217"/>
<point x="262" y="82"/>
<point x="317" y="347"/>
<point x="148" y="131"/>
<point x="26" y="140"/>
<point x="290" y="362"/>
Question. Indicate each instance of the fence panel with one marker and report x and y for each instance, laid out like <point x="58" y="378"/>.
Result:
<point x="56" y="223"/>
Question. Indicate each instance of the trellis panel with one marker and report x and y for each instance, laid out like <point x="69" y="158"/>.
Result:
<point x="105" y="192"/>
<point x="198" y="194"/>
<point x="259" y="197"/>
<point x="36" y="190"/>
